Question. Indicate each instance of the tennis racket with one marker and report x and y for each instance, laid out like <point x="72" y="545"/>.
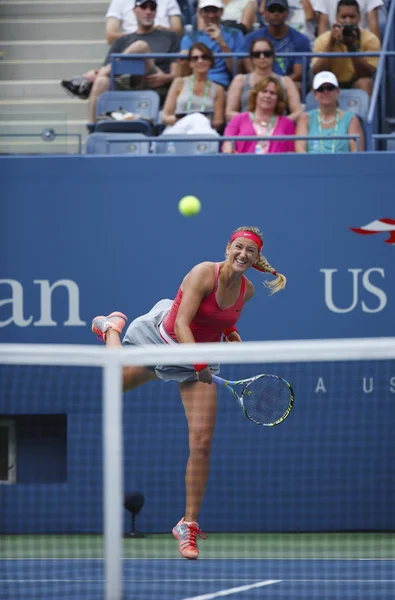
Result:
<point x="264" y="399"/>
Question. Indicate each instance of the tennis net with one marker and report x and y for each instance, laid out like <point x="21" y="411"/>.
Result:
<point x="317" y="487"/>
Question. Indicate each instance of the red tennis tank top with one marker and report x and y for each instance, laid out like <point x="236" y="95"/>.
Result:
<point x="210" y="320"/>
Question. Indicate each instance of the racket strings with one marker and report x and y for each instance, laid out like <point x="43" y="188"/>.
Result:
<point x="266" y="400"/>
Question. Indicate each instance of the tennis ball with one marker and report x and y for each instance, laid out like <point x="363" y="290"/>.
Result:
<point x="189" y="206"/>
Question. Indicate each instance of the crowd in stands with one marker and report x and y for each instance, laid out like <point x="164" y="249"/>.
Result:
<point x="202" y="94"/>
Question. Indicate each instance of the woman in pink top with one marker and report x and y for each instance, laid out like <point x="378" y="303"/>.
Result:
<point x="206" y="309"/>
<point x="265" y="118"/>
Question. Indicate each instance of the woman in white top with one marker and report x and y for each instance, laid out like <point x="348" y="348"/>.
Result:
<point x="195" y="94"/>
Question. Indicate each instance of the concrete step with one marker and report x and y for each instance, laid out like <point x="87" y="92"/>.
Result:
<point x="62" y="28"/>
<point x="28" y="89"/>
<point x="69" y="108"/>
<point x="29" y="136"/>
<point x="54" y="49"/>
<point x="46" y="69"/>
<point x="53" y="8"/>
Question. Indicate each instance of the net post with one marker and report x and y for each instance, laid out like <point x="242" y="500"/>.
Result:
<point x="112" y="477"/>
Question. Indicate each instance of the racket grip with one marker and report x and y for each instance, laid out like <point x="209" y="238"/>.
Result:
<point x="218" y="380"/>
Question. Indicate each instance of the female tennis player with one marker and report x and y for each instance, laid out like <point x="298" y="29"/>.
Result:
<point x="206" y="309"/>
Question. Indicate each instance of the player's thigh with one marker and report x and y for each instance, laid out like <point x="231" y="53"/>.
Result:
<point x="133" y="377"/>
<point x="200" y="405"/>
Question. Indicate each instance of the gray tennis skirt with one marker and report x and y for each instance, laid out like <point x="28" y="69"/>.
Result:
<point x="145" y="330"/>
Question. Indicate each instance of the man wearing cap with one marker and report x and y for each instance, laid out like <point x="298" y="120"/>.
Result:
<point x="218" y="38"/>
<point x="346" y="36"/>
<point x="283" y="37"/>
<point x="120" y="18"/>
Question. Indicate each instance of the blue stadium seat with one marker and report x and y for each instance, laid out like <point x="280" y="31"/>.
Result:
<point x="137" y="126"/>
<point x="118" y="143"/>
<point x="142" y="102"/>
<point x="356" y="101"/>
<point x="188" y="144"/>
<point x="391" y="143"/>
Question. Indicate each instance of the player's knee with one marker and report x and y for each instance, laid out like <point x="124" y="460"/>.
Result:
<point x="201" y="441"/>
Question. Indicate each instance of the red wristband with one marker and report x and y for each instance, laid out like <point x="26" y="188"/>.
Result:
<point x="229" y="330"/>
<point x="199" y="367"/>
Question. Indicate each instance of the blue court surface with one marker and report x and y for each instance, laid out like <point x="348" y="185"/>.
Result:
<point x="205" y="579"/>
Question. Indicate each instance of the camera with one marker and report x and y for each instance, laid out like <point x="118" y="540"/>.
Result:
<point x="348" y="30"/>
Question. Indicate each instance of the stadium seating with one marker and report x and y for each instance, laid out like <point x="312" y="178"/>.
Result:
<point x="119" y="143"/>
<point x="144" y="103"/>
<point x="136" y="126"/>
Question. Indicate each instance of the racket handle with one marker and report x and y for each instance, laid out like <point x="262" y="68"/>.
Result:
<point x="219" y="380"/>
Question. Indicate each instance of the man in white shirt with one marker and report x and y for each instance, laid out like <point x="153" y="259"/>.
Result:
<point x="120" y="18"/>
<point x="368" y="9"/>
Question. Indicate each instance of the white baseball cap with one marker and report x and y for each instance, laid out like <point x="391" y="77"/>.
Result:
<point x="215" y="3"/>
<point x="324" y="77"/>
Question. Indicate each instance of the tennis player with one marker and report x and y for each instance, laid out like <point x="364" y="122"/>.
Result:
<point x="206" y="308"/>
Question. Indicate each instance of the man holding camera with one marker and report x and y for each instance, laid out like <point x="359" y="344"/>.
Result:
<point x="346" y="36"/>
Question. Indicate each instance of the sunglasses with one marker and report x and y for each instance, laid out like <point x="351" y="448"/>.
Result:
<point x="202" y="56"/>
<point x="327" y="87"/>
<point x="276" y="8"/>
<point x="260" y="53"/>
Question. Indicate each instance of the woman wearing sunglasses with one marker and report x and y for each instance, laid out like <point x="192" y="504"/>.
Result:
<point x="262" y="58"/>
<point x="194" y="104"/>
<point x="328" y="120"/>
<point x="264" y="119"/>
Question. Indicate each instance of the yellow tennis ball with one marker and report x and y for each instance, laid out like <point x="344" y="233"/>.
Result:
<point x="189" y="206"/>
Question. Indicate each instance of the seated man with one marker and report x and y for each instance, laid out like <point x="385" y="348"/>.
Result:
<point x="347" y="36"/>
<point x="120" y="18"/>
<point x="282" y="37"/>
<point x="368" y="10"/>
<point x="217" y="38"/>
<point x="159" y="74"/>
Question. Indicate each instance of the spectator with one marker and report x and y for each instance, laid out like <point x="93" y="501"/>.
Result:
<point x="159" y="74"/>
<point x="262" y="60"/>
<point x="236" y="13"/>
<point x="120" y="18"/>
<point x="266" y="107"/>
<point x="368" y="9"/>
<point x="216" y="37"/>
<point x="327" y="120"/>
<point x="195" y="102"/>
<point x="302" y="17"/>
<point x="346" y="36"/>
<point x="283" y="38"/>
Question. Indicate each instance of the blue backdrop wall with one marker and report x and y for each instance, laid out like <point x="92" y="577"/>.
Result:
<point x="82" y="236"/>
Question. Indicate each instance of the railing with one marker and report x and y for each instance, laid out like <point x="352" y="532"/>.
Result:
<point x="384" y="137"/>
<point x="132" y="64"/>
<point x="380" y="78"/>
<point x="165" y="139"/>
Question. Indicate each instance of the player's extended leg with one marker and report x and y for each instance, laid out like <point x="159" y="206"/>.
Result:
<point x="109" y="330"/>
<point x="200" y="405"/>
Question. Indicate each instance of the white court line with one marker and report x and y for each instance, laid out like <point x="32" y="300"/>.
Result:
<point x="236" y="590"/>
<point x="200" y="558"/>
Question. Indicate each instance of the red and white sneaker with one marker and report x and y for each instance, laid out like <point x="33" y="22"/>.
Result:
<point x="115" y="320"/>
<point x="186" y="534"/>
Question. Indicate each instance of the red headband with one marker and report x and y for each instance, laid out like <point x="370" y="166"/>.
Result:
<point x="254" y="238"/>
<point x="250" y="235"/>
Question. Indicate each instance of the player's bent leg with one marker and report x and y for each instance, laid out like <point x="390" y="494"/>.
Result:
<point x="133" y="377"/>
